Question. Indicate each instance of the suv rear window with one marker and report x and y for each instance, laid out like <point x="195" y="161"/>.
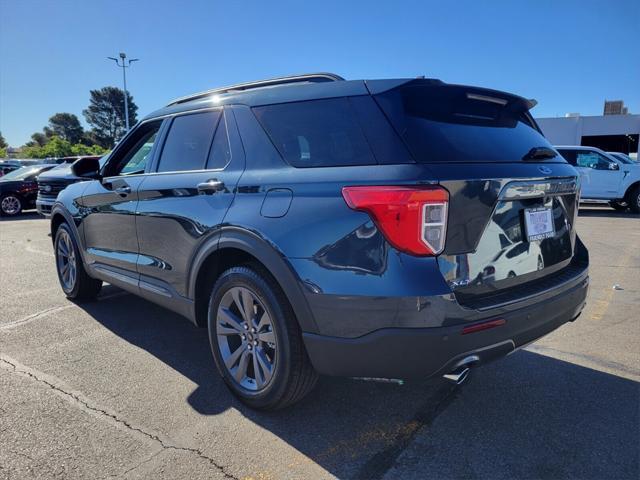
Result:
<point x="450" y="123"/>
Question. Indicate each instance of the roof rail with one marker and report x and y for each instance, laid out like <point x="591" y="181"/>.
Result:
<point x="308" y="77"/>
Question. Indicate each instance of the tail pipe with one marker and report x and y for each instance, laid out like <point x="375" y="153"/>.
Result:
<point x="460" y="373"/>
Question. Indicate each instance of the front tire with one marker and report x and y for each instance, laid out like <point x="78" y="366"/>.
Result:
<point x="634" y="199"/>
<point x="74" y="280"/>
<point x="10" y="205"/>
<point x="256" y="341"/>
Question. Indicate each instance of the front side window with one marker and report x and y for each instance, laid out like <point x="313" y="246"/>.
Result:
<point x="316" y="133"/>
<point x="188" y="142"/>
<point x="132" y="156"/>
<point x="139" y="156"/>
<point x="592" y="160"/>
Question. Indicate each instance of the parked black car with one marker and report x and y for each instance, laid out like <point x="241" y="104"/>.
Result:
<point x="54" y="181"/>
<point x="315" y="225"/>
<point x="18" y="189"/>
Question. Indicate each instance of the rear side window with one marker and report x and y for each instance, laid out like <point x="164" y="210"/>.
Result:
<point x="450" y="123"/>
<point x="316" y="133"/>
<point x="220" y="154"/>
<point x="188" y="142"/>
<point x="569" y="156"/>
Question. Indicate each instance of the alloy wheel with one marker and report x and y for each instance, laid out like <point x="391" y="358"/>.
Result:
<point x="246" y="339"/>
<point x="10" y="205"/>
<point x="66" y="261"/>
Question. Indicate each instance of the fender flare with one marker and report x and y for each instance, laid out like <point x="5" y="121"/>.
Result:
<point x="59" y="209"/>
<point x="273" y="260"/>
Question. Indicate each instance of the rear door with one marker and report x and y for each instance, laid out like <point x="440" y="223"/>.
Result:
<point x="186" y="197"/>
<point x="109" y="225"/>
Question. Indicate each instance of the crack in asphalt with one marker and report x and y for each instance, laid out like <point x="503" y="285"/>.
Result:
<point x="378" y="465"/>
<point x="16" y="367"/>
<point x="34" y="316"/>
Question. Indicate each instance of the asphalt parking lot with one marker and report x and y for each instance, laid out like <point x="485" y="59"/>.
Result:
<point x="122" y="388"/>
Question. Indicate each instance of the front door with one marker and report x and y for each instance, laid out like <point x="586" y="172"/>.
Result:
<point x="186" y="196"/>
<point x="601" y="176"/>
<point x="109" y="205"/>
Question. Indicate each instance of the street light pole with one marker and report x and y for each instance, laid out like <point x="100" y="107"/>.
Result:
<point x="125" y="64"/>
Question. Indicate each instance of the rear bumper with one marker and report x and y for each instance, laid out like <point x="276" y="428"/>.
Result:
<point x="425" y="352"/>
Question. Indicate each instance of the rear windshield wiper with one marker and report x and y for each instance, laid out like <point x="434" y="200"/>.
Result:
<point x="540" y="153"/>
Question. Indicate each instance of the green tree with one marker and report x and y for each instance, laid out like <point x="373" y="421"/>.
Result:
<point x="106" y="114"/>
<point x="3" y="142"/>
<point x="66" y="126"/>
<point x="82" y="149"/>
<point x="55" y="147"/>
<point x="38" y="139"/>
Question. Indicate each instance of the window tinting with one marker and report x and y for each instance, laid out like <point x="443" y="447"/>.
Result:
<point x="446" y="123"/>
<point x="188" y="142"/>
<point x="316" y="133"/>
<point x="568" y="155"/>
<point x="139" y="155"/>
<point x="132" y="156"/>
<point x="220" y="154"/>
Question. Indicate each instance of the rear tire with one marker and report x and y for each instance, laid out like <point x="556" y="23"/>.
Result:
<point x="256" y="340"/>
<point x="634" y="199"/>
<point x="619" y="206"/>
<point x="74" y="280"/>
<point x="10" y="205"/>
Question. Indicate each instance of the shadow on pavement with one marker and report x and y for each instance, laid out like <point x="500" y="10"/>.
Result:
<point x="605" y="212"/>
<point x="26" y="215"/>
<point x="525" y="416"/>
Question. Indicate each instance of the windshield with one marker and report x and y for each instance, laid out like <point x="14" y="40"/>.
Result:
<point x="23" y="173"/>
<point x="451" y="123"/>
<point x="622" y="157"/>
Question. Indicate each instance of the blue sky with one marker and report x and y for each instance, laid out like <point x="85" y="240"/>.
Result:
<point x="569" y="55"/>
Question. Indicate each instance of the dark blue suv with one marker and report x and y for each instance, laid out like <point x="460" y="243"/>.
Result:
<point x="385" y="229"/>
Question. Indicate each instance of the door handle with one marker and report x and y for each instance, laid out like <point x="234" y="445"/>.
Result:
<point x="123" y="190"/>
<point x="210" y="186"/>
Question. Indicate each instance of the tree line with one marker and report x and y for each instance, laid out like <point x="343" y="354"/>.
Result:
<point x="64" y="135"/>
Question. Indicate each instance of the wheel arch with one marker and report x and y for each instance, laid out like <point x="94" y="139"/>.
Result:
<point x="630" y="188"/>
<point x="234" y="246"/>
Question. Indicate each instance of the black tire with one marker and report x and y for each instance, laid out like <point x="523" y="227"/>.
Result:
<point x="292" y="376"/>
<point x="83" y="287"/>
<point x="620" y="207"/>
<point x="634" y="199"/>
<point x="10" y="205"/>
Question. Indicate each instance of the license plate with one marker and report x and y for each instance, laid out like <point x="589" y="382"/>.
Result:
<point x="538" y="224"/>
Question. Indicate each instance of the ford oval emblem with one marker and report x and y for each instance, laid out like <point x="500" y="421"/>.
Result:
<point x="545" y="170"/>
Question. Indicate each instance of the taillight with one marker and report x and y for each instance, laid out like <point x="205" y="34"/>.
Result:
<point x="412" y="219"/>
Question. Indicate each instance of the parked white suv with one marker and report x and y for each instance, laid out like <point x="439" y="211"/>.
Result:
<point x="605" y="177"/>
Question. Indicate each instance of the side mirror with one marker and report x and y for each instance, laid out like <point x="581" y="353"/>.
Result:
<point x="614" y="166"/>
<point x="86" y="167"/>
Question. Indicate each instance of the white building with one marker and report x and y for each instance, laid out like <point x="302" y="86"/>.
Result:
<point x="612" y="133"/>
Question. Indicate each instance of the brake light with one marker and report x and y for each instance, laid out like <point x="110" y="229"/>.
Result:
<point x="412" y="219"/>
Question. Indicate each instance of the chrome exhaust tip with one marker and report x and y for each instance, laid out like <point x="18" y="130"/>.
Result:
<point x="457" y="376"/>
